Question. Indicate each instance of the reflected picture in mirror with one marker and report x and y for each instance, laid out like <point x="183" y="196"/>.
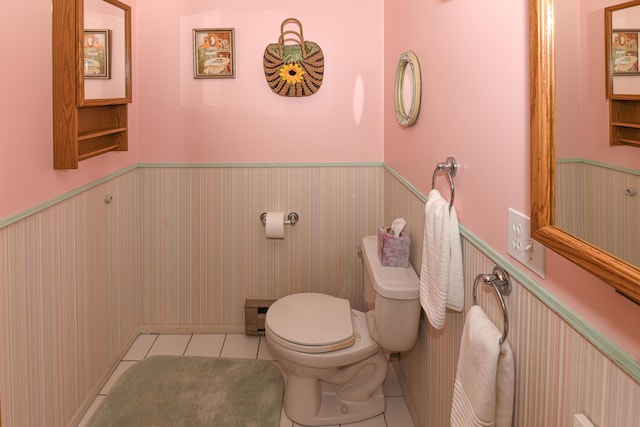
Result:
<point x="624" y="52"/>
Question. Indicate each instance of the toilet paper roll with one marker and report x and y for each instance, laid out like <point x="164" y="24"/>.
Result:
<point x="275" y="225"/>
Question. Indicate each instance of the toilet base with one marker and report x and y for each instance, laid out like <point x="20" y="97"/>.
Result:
<point x="312" y="401"/>
<point x="334" y="410"/>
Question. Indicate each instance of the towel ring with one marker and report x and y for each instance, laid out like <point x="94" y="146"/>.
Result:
<point x="451" y="168"/>
<point x="501" y="283"/>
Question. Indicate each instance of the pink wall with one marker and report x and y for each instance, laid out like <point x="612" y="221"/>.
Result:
<point x="240" y="120"/>
<point x="475" y="95"/>
<point x="475" y="106"/>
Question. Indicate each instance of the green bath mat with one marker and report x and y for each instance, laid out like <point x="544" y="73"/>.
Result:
<point x="194" y="391"/>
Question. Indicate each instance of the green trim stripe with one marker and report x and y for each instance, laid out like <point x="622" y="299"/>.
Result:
<point x="54" y="201"/>
<point x="600" y="164"/>
<point x="258" y="165"/>
<point x="406" y="183"/>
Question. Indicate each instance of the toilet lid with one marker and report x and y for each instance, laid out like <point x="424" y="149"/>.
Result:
<point x="311" y="323"/>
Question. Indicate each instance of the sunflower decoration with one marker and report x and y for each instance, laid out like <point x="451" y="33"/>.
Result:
<point x="292" y="73"/>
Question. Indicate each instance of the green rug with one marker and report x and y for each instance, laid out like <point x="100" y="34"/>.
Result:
<point x="194" y="391"/>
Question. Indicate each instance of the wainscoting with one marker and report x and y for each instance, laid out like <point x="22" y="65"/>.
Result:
<point x="204" y="245"/>
<point x="592" y="203"/>
<point x="69" y="301"/>
<point x="180" y="248"/>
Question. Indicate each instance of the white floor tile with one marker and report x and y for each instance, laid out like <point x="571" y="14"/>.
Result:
<point x="140" y="347"/>
<point x="208" y="345"/>
<point x="169" y="345"/>
<point x="397" y="413"/>
<point x="391" y="385"/>
<point x="371" y="422"/>
<point x="241" y="346"/>
<point x="123" y="366"/>
<point x="284" y="420"/>
<point x="92" y="410"/>
<point x="263" y="350"/>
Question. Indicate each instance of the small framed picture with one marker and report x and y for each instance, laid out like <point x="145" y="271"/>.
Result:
<point x="96" y="54"/>
<point x="624" y="52"/>
<point x="214" y="53"/>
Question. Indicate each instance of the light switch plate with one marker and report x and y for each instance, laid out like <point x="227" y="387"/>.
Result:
<point x="522" y="247"/>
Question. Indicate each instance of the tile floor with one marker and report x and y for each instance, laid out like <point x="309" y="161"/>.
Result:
<point x="243" y="346"/>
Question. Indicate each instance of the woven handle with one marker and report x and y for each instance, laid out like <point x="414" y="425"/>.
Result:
<point x="301" y="41"/>
<point x="292" y="20"/>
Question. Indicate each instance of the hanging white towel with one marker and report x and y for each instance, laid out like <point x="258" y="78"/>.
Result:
<point x="483" y="392"/>
<point x="441" y="275"/>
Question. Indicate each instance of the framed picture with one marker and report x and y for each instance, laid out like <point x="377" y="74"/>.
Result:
<point x="96" y="54"/>
<point x="214" y="53"/>
<point x="624" y="52"/>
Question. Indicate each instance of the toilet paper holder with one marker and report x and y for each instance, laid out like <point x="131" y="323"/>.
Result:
<point x="292" y="218"/>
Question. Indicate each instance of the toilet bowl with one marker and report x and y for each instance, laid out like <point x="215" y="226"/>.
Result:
<point x="333" y="355"/>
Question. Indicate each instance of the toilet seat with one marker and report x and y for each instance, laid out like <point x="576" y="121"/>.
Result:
<point x="311" y="323"/>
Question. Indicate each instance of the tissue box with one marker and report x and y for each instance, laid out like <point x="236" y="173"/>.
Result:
<point x="393" y="251"/>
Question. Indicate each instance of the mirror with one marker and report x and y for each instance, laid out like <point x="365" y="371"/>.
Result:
<point x="105" y="52"/>
<point x="407" y="89"/>
<point x="622" y="27"/>
<point x="622" y="275"/>
<point x="597" y="177"/>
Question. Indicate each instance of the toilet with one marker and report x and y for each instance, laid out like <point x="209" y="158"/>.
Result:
<point x="335" y="357"/>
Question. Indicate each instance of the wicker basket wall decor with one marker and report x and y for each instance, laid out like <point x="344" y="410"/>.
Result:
<point x="293" y="69"/>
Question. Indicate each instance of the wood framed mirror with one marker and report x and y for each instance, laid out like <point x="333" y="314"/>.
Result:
<point x="622" y="275"/>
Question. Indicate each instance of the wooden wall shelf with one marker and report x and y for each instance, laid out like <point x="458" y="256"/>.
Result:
<point x="624" y="117"/>
<point x="84" y="128"/>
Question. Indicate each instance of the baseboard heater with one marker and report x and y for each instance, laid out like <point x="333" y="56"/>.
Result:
<point x="255" y="313"/>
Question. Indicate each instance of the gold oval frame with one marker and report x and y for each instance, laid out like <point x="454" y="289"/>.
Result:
<point x="407" y="58"/>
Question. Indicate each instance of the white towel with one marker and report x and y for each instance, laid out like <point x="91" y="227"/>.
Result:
<point x="441" y="275"/>
<point x="483" y="392"/>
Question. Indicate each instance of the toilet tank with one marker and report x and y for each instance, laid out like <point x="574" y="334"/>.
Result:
<point x="392" y="300"/>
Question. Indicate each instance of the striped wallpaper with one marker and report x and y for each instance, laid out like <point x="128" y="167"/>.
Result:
<point x="204" y="245"/>
<point x="68" y="302"/>
<point x="180" y="248"/>
<point x="601" y="205"/>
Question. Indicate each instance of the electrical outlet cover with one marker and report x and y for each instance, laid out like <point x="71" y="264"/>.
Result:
<point x="522" y="247"/>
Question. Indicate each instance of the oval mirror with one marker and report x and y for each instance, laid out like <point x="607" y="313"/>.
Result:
<point x="105" y="75"/>
<point x="408" y="89"/>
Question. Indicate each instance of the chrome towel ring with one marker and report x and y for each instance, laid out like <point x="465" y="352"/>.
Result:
<point x="501" y="283"/>
<point x="451" y="168"/>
